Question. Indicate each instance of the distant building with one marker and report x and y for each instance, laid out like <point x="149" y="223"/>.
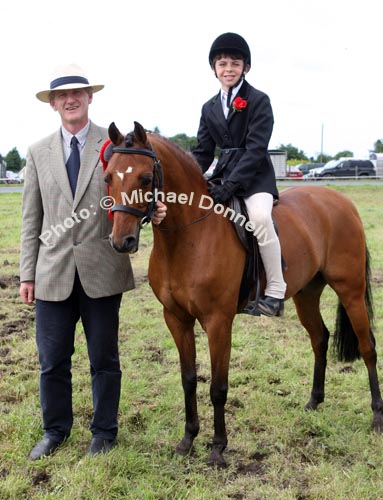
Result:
<point x="3" y="168"/>
<point x="279" y="161"/>
<point x="377" y="160"/>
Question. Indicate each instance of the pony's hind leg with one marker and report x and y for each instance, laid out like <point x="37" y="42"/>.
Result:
<point x="183" y="335"/>
<point x="353" y="338"/>
<point x="307" y="306"/>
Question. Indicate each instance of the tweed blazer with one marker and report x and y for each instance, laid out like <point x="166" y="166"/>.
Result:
<point x="61" y="234"/>
<point x="243" y="139"/>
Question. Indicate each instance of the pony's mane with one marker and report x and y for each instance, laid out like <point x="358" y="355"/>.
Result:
<point x="186" y="157"/>
<point x="129" y="140"/>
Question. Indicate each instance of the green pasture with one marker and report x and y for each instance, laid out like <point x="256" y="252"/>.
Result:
<point x="276" y="450"/>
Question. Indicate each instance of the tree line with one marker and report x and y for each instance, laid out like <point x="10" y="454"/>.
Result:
<point x="295" y="155"/>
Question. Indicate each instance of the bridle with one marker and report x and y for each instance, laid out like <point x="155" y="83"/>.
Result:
<point x="157" y="184"/>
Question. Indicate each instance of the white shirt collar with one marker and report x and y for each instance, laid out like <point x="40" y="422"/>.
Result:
<point x="81" y="136"/>
<point x="224" y="95"/>
<point x="234" y="92"/>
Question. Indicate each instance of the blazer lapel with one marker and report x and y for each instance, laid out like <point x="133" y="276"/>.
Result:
<point x="89" y="161"/>
<point x="57" y="166"/>
<point x="241" y="93"/>
<point x="218" y="111"/>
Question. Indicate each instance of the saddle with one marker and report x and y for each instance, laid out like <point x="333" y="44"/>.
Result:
<point x="249" y="291"/>
<point x="253" y="273"/>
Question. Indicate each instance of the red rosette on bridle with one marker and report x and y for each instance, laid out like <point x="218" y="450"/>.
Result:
<point x="105" y="155"/>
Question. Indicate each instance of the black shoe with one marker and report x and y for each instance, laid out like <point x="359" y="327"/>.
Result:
<point x="251" y="308"/>
<point x="44" y="448"/>
<point x="100" y="445"/>
<point x="270" y="306"/>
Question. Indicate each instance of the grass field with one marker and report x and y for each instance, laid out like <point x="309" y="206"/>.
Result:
<point x="276" y="451"/>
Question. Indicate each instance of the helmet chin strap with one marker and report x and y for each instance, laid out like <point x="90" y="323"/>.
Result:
<point x="228" y="100"/>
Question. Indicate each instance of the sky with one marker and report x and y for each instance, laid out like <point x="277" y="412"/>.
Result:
<point x="320" y="62"/>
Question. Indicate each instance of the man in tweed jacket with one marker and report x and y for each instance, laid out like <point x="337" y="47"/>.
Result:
<point x="68" y="265"/>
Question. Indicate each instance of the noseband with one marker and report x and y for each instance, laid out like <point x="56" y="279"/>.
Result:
<point x="157" y="184"/>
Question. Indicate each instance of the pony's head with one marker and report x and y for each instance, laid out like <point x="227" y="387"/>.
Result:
<point x="133" y="174"/>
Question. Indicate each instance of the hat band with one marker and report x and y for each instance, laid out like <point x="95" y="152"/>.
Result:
<point x="65" y="80"/>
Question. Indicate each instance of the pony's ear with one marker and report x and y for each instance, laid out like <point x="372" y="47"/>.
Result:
<point x="114" y="134"/>
<point x="139" y="133"/>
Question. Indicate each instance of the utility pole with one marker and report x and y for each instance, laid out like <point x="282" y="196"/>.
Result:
<point x="321" y="144"/>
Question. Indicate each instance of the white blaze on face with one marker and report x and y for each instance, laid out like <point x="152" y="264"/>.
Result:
<point x="129" y="170"/>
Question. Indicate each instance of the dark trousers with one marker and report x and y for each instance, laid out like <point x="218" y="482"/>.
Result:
<point x="55" y="333"/>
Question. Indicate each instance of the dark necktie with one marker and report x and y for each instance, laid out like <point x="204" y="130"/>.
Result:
<point x="73" y="164"/>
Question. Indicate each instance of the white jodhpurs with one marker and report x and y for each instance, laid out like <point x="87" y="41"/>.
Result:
<point x="259" y="207"/>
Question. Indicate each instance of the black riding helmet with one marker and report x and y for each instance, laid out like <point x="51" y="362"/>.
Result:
<point x="230" y="43"/>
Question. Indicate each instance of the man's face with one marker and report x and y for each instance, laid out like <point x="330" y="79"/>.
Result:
<point x="72" y="105"/>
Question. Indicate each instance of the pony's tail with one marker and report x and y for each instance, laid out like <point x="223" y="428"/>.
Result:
<point x="345" y="341"/>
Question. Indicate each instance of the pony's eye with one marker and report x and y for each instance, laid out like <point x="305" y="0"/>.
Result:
<point x="146" y="181"/>
<point x="107" y="178"/>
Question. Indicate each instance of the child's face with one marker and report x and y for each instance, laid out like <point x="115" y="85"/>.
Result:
<point x="229" y="71"/>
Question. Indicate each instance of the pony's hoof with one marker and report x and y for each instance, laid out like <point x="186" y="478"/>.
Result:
<point x="311" y="406"/>
<point x="216" y="459"/>
<point x="184" y="447"/>
<point x="313" y="403"/>
<point x="377" y="424"/>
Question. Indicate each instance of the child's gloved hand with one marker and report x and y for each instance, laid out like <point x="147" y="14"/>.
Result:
<point x="223" y="192"/>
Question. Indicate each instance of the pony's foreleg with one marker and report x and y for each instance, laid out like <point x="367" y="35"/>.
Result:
<point x="319" y="343"/>
<point x="307" y="306"/>
<point x="183" y="335"/>
<point x="220" y="349"/>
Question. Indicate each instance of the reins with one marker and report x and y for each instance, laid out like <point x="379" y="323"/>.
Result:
<point x="182" y="226"/>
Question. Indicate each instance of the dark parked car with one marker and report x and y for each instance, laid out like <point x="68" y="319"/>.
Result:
<point x="346" y="167"/>
<point x="306" y="167"/>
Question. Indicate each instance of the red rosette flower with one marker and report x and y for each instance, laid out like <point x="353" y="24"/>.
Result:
<point x="239" y="104"/>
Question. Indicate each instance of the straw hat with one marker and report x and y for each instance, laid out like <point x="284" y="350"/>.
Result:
<point x="70" y="76"/>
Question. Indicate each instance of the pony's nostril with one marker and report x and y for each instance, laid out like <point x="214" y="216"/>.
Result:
<point x="129" y="244"/>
